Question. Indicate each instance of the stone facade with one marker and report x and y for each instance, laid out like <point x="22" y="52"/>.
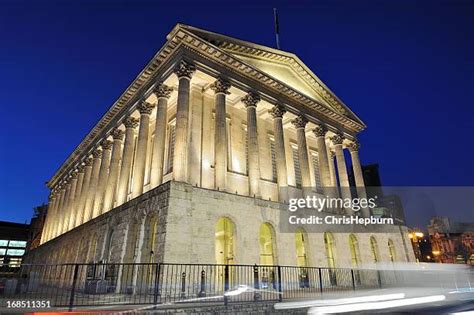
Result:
<point x="186" y="217"/>
<point x="198" y="157"/>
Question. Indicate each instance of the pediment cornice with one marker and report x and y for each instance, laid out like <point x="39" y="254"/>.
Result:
<point x="144" y="81"/>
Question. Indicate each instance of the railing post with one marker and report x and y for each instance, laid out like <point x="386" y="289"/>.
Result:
<point x="73" y="288"/>
<point x="280" y="290"/>
<point x="157" y="283"/>
<point x="320" y="281"/>
<point x="353" y="280"/>
<point x="183" y="285"/>
<point x="202" y="291"/>
<point x="226" y="284"/>
<point x="256" y="285"/>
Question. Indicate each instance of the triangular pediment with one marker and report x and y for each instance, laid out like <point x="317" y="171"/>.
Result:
<point x="281" y="65"/>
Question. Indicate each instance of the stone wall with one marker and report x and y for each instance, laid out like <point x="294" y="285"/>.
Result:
<point x="185" y="218"/>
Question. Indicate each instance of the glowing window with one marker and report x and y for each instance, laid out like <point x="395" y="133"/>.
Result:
<point x="3" y="243"/>
<point x="296" y="161"/>
<point x="317" y="176"/>
<point x="301" y="256"/>
<point x="273" y="154"/>
<point x="329" y="246"/>
<point x="17" y="244"/>
<point x="15" y="252"/>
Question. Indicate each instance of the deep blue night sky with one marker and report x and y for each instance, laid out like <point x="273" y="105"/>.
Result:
<point x="407" y="70"/>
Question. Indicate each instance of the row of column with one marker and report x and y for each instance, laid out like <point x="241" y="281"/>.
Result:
<point x="328" y="177"/>
<point x="105" y="179"/>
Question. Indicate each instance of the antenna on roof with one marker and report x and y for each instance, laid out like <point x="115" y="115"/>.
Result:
<point x="277" y="27"/>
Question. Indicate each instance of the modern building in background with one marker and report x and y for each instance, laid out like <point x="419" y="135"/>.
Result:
<point x="197" y="159"/>
<point x="387" y="205"/>
<point x="421" y="246"/>
<point x="452" y="242"/>
<point x="13" y="241"/>
<point x="36" y="226"/>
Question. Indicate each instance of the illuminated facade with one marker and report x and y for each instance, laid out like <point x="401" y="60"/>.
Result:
<point x="193" y="162"/>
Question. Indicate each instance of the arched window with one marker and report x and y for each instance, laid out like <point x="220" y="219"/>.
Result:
<point x="355" y="253"/>
<point x="224" y="240"/>
<point x="301" y="245"/>
<point x="391" y="251"/>
<point x="329" y="246"/>
<point x="374" y="249"/>
<point x="267" y="255"/>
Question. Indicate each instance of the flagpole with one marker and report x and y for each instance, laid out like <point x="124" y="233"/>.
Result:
<point x="277" y="27"/>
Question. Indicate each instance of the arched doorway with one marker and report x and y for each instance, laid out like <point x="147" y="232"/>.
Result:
<point x="374" y="249"/>
<point x="301" y="246"/>
<point x="375" y="257"/>
<point x="355" y="257"/>
<point x="331" y="261"/>
<point x="266" y="240"/>
<point x="355" y="253"/>
<point x="302" y="257"/>
<point x="224" y="241"/>
<point x="391" y="251"/>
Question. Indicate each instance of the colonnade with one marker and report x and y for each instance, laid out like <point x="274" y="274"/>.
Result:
<point x="115" y="170"/>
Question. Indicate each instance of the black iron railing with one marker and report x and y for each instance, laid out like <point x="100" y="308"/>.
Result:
<point x="105" y="284"/>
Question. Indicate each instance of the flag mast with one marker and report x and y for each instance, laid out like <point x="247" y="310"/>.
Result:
<point x="277" y="27"/>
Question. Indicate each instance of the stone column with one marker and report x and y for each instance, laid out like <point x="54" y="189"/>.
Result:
<point x="57" y="216"/>
<point x="184" y="71"/>
<point x="251" y="100"/>
<point x="125" y="169"/>
<point x="112" y="179"/>
<point x="103" y="175"/>
<point x="358" y="176"/>
<point x="277" y="113"/>
<point x="69" y="213"/>
<point x="88" y="207"/>
<point x="64" y="207"/>
<point x="320" y="133"/>
<point x="337" y="140"/>
<point x="84" y="191"/>
<point x="162" y="93"/>
<point x="300" y="124"/>
<point x="77" y="193"/>
<point x="221" y="89"/>
<point x="45" y="234"/>
<point x="145" y="110"/>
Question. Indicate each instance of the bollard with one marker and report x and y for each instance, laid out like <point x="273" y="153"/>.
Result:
<point x="256" y="285"/>
<point x="202" y="292"/>
<point x="183" y="285"/>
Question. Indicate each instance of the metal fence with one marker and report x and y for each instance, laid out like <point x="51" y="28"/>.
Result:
<point x="105" y="284"/>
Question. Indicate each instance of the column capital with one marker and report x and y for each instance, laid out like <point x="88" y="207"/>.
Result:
<point x="251" y="99"/>
<point x="220" y="86"/>
<point x="80" y="168"/>
<point x="277" y="111"/>
<point x="354" y="146"/>
<point x="162" y="91"/>
<point x="145" y="108"/>
<point x="88" y="161"/>
<point x="300" y="122"/>
<point x="332" y="154"/>
<point x="97" y="154"/>
<point x="320" y="130"/>
<point x="337" y="138"/>
<point x="117" y="134"/>
<point x="184" y="70"/>
<point x="73" y="174"/>
<point x="106" y="145"/>
<point x="131" y="122"/>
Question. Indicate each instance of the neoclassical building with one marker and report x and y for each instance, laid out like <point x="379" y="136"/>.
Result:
<point x="193" y="162"/>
